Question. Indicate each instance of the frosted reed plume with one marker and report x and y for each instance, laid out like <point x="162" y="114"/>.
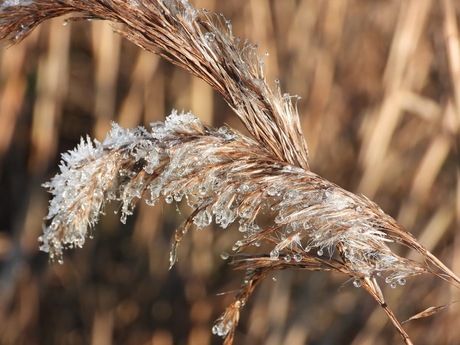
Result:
<point x="224" y="176"/>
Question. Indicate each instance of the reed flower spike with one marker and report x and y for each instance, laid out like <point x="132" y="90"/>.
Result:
<point x="224" y="176"/>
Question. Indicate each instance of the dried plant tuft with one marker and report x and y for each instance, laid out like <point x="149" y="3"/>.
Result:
<point x="224" y="176"/>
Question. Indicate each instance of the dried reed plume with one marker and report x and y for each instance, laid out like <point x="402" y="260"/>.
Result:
<point x="224" y="176"/>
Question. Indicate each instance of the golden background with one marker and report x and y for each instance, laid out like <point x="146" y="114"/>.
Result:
<point x="380" y="108"/>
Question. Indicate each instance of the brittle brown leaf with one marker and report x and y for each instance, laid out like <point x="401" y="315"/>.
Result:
<point x="430" y="311"/>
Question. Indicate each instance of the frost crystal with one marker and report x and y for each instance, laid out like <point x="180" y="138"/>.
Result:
<point x="222" y="328"/>
<point x="11" y="3"/>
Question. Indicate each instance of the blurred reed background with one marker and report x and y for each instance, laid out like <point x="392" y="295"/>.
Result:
<point x="380" y="107"/>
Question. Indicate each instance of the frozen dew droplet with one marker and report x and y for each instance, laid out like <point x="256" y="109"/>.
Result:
<point x="244" y="188"/>
<point x="229" y="25"/>
<point x="272" y="191"/>
<point x="267" y="54"/>
<point x="388" y="280"/>
<point x="357" y="283"/>
<point x="224" y="255"/>
<point x="402" y="281"/>
<point x="202" y="189"/>
<point x="287" y="258"/>
<point x="274" y="279"/>
<point x="237" y="245"/>
<point x="393" y="285"/>
<point x="274" y="254"/>
<point x="210" y="36"/>
<point x="320" y="252"/>
<point x="204" y="218"/>
<point x="215" y="329"/>
<point x="65" y="22"/>
<point x="244" y="213"/>
<point x="207" y="217"/>
<point x="169" y="199"/>
<point x="279" y="219"/>
<point x="297" y="257"/>
<point x="222" y="329"/>
<point x="20" y="33"/>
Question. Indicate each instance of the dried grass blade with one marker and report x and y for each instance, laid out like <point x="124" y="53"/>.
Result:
<point x="428" y="312"/>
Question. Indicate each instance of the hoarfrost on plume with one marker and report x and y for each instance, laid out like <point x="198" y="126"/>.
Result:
<point x="11" y="3"/>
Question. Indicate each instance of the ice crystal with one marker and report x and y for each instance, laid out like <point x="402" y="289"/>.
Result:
<point x="221" y="329"/>
<point x="11" y="3"/>
<point x="274" y="254"/>
<point x="210" y="37"/>
<point x="357" y="283"/>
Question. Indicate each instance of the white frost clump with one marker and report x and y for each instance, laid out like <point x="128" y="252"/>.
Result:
<point x="11" y="3"/>
<point x="94" y="173"/>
